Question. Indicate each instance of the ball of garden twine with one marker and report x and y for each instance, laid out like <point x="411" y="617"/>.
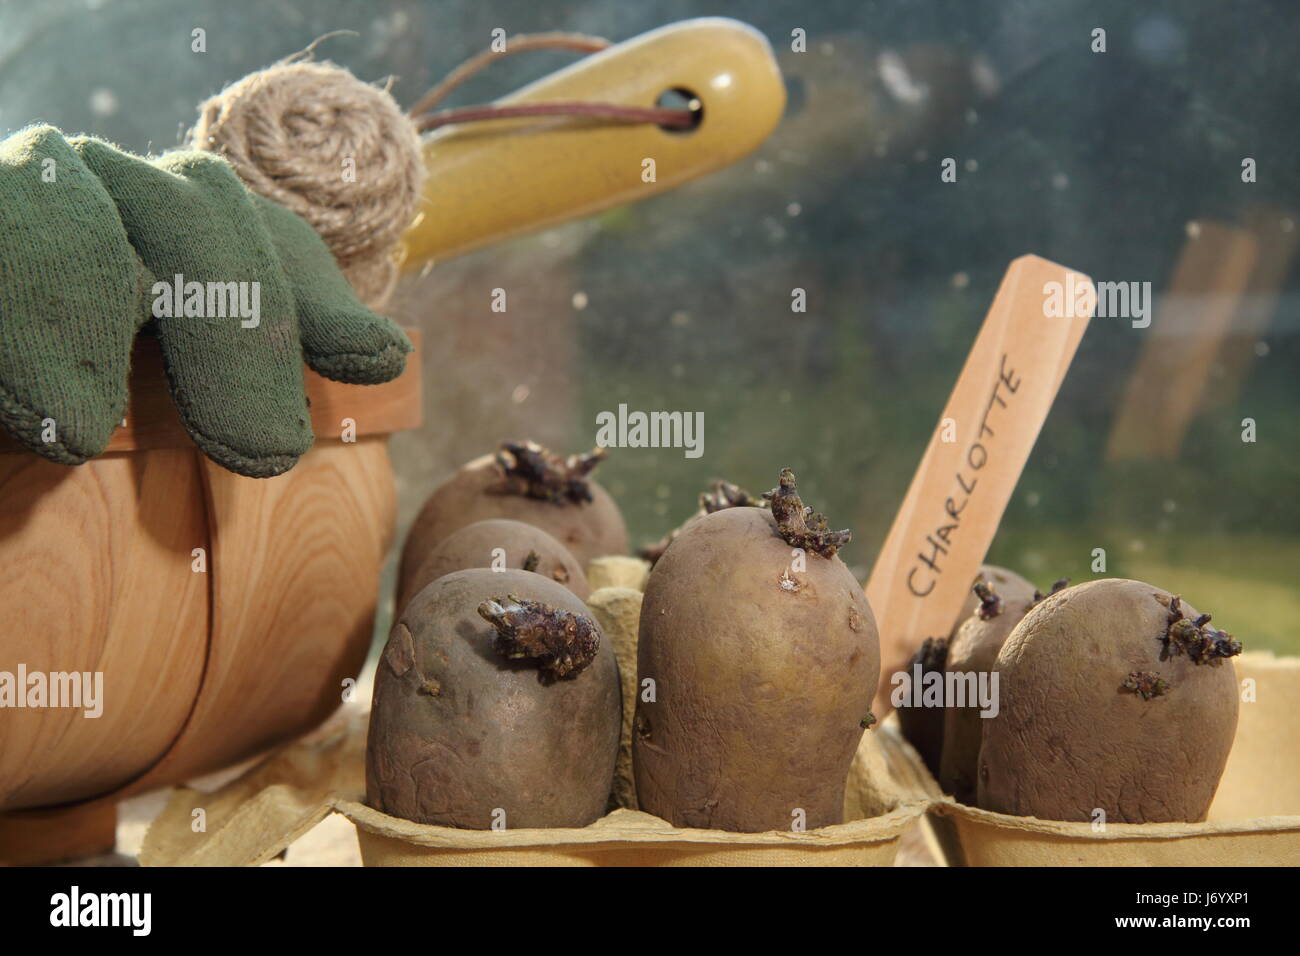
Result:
<point x="339" y="152"/>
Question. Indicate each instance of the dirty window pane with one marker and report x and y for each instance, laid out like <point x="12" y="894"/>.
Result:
<point x="1129" y="165"/>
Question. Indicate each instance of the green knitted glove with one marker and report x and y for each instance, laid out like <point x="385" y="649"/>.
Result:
<point x="208" y="251"/>
<point x="341" y="339"/>
<point x="71" y="294"/>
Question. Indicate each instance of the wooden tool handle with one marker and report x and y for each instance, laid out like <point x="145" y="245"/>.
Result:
<point x="493" y="179"/>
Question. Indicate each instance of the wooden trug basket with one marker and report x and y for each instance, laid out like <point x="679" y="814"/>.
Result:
<point x="207" y="657"/>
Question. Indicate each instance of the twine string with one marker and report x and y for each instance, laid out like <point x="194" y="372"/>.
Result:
<point x="578" y="42"/>
<point x="426" y="119"/>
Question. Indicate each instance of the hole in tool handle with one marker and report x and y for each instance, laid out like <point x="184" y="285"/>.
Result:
<point x="681" y="100"/>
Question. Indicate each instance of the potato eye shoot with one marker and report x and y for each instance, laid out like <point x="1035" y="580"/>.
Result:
<point x="800" y="526"/>
<point x="990" y="602"/>
<point x="1203" y="644"/>
<point x="535" y="472"/>
<point x="562" y="643"/>
<point x="1145" y="684"/>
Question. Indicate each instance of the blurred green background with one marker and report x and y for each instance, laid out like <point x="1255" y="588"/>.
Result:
<point x="1112" y="163"/>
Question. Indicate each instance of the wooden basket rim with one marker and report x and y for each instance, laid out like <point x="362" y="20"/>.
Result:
<point x="152" y="421"/>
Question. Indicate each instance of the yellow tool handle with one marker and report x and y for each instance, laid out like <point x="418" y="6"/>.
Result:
<point x="493" y="179"/>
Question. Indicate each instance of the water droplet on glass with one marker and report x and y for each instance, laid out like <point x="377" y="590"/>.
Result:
<point x="103" y="102"/>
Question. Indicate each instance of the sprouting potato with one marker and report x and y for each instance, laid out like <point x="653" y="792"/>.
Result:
<point x="757" y="660"/>
<point x="924" y="726"/>
<point x="1002" y="601"/>
<point x="1116" y="698"/>
<point x="499" y="543"/>
<point x="521" y="482"/>
<point x="496" y="704"/>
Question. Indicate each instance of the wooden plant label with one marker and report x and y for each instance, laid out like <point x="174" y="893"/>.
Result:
<point x="951" y="513"/>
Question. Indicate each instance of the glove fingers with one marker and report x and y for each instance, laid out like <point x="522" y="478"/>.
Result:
<point x="71" y="289"/>
<point x="223" y="310"/>
<point x="341" y="338"/>
<point x="246" y="413"/>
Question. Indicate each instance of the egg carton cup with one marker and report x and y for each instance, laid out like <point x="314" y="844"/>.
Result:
<point x="882" y="800"/>
<point x="257" y="816"/>
<point x="626" y="838"/>
<point x="985" y="838"/>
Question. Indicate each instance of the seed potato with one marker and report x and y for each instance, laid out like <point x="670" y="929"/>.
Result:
<point x="924" y="726"/>
<point x="762" y="675"/>
<point x="974" y="650"/>
<point x="479" y="545"/>
<point x="484" y="488"/>
<point x="465" y="732"/>
<point x="1115" y="696"/>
